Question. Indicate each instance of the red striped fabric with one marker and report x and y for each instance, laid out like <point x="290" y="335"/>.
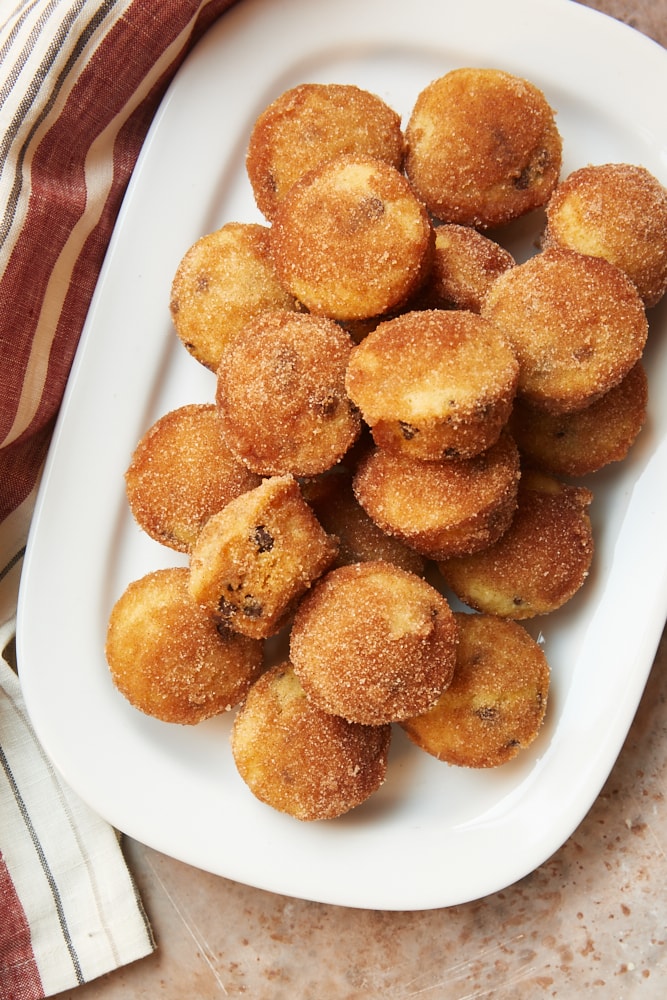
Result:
<point x="19" y="975"/>
<point x="52" y="202"/>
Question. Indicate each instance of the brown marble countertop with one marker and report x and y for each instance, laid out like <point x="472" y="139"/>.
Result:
<point x="592" y="919"/>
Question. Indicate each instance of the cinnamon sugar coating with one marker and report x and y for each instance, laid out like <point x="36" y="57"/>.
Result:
<point x="617" y="211"/>
<point x="441" y="508"/>
<point x="313" y="122"/>
<point x="224" y="279"/>
<point x="182" y="472"/>
<point x="254" y="559"/>
<point x="350" y="239"/>
<point x="576" y="444"/>
<point x="540" y="562"/>
<point x="576" y="323"/>
<point x="373" y="643"/>
<point x="496" y="702"/>
<point x="301" y="760"/>
<point x="388" y="382"/>
<point x="483" y="147"/>
<point x="281" y="394"/>
<point x="359" y="538"/>
<point x="465" y="265"/>
<point x="168" y="657"/>
<point x="434" y="383"/>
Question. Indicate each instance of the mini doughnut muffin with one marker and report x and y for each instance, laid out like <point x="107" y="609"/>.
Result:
<point x="314" y="122"/>
<point x="170" y="659"/>
<point x="434" y="384"/>
<point x="360" y="539"/>
<point x="225" y="278"/>
<point x="496" y="702"/>
<point x="254" y="559"/>
<point x="617" y="211"/>
<point x="281" y="394"/>
<point x="300" y="760"/>
<point x="577" y="325"/>
<point x="482" y="147"/>
<point x="465" y="265"/>
<point x="575" y="444"/>
<point x="181" y="472"/>
<point x="540" y="562"/>
<point x="350" y="240"/>
<point x="443" y="508"/>
<point x="373" y="643"/>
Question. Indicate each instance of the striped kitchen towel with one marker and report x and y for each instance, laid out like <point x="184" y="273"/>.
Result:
<point x="69" y="910"/>
<point x="80" y="81"/>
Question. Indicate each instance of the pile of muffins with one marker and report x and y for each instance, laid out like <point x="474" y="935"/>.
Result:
<point x="400" y="410"/>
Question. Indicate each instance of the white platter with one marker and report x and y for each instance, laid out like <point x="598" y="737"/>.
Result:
<point x="434" y="835"/>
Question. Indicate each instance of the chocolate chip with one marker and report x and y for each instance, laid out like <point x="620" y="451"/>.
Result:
<point x="487" y="713"/>
<point x="524" y="179"/>
<point x="326" y="405"/>
<point x="533" y="171"/>
<point x="223" y="629"/>
<point x="263" y="538"/>
<point x="251" y="607"/>
<point x="408" y="430"/>
<point x="225" y="611"/>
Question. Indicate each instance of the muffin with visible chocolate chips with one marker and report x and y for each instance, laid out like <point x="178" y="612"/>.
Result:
<point x="434" y="384"/>
<point x="576" y="444"/>
<point x="539" y="563"/>
<point x="301" y="760"/>
<point x="281" y="394"/>
<point x="255" y="558"/>
<point x="496" y="702"/>
<point x="224" y="279"/>
<point x="350" y="240"/>
<point x="483" y="147"/>
<point x="313" y="122"/>
<point x="442" y="508"/>
<point x="577" y="325"/>
<point x="169" y="657"/>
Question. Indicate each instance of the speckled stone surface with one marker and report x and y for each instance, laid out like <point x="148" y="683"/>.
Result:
<point x="591" y="920"/>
